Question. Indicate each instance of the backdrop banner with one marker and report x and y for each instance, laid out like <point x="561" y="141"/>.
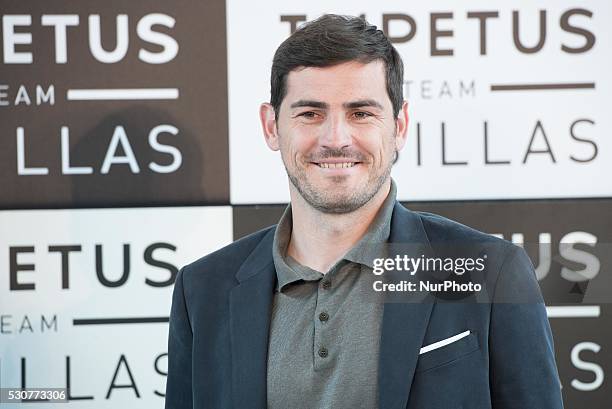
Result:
<point x="85" y="297"/>
<point x="131" y="145"/>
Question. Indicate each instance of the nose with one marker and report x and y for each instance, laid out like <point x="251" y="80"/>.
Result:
<point x="337" y="133"/>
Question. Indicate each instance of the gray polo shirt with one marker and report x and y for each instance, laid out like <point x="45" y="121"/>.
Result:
<point x="325" y="329"/>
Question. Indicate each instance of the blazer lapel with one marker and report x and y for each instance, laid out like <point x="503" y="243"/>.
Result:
<point x="404" y="321"/>
<point x="250" y="307"/>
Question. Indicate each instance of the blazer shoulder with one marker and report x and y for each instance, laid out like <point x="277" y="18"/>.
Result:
<point x="449" y="235"/>
<point x="227" y="259"/>
<point x="442" y="229"/>
<point x="502" y="255"/>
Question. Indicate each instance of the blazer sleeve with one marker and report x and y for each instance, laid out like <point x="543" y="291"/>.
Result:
<point x="523" y="373"/>
<point x="180" y="338"/>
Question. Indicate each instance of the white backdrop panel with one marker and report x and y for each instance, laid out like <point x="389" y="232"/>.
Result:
<point x="517" y="121"/>
<point x="96" y="351"/>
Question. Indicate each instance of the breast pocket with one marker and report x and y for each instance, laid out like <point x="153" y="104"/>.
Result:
<point x="447" y="350"/>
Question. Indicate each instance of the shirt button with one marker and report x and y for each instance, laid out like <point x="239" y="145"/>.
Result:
<point x="323" y="352"/>
<point x="323" y="316"/>
<point x="326" y="284"/>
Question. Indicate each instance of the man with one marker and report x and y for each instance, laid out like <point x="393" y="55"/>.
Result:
<point x="287" y="318"/>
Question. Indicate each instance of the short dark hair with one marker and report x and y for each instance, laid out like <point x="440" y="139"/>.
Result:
<point x="333" y="39"/>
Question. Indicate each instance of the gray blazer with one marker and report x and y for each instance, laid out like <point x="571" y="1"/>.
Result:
<point x="220" y="317"/>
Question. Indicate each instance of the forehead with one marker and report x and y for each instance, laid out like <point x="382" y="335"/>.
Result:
<point x="339" y="83"/>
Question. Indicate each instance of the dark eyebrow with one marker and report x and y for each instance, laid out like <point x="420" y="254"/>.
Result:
<point x="346" y="105"/>
<point x="309" y="103"/>
<point x="363" y="103"/>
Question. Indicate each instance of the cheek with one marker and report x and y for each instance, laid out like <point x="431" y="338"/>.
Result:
<point x="301" y="143"/>
<point x="377" y="141"/>
<point x="294" y="149"/>
<point x="375" y="147"/>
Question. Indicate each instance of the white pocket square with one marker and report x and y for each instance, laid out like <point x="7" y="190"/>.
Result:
<point x="444" y="342"/>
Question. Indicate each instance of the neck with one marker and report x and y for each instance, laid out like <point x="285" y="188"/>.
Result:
<point x="320" y="239"/>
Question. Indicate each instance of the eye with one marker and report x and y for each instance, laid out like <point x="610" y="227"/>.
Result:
<point x="361" y="115"/>
<point x="308" y="114"/>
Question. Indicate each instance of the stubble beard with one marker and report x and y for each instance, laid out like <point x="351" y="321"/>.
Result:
<point x="325" y="202"/>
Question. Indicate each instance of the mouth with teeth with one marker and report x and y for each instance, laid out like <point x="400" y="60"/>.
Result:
<point x="339" y="165"/>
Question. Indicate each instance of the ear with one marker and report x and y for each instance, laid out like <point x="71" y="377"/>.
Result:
<point x="401" y="123"/>
<point x="268" y="124"/>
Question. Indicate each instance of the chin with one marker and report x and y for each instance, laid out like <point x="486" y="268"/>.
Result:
<point x="337" y="207"/>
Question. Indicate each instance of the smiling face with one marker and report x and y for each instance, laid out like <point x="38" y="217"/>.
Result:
<point x="336" y="134"/>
